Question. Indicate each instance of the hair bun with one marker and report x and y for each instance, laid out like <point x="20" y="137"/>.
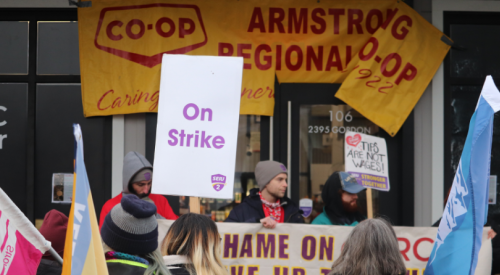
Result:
<point x="137" y="207"/>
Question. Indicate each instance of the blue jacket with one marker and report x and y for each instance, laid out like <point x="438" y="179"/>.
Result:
<point x="251" y="211"/>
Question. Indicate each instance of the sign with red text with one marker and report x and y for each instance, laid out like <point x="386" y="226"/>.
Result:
<point x="392" y="70"/>
<point x="303" y="249"/>
<point x="121" y="43"/>
<point x="196" y="135"/>
<point x="366" y="159"/>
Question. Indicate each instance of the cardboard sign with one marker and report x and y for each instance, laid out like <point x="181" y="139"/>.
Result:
<point x="197" y="126"/>
<point x="306" y="205"/>
<point x="366" y="159"/>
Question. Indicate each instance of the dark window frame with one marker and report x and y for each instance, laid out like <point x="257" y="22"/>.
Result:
<point x="452" y="18"/>
<point x="33" y="15"/>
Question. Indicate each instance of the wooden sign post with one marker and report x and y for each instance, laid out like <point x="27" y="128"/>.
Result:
<point x="369" y="203"/>
<point x="194" y="205"/>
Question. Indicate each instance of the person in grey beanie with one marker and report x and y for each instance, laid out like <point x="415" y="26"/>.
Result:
<point x="138" y="180"/>
<point x="130" y="239"/>
<point x="268" y="203"/>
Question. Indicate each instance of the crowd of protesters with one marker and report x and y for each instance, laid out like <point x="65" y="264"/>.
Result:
<point x="129" y="227"/>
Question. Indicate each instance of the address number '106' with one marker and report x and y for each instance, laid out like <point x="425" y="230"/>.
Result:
<point x="339" y="116"/>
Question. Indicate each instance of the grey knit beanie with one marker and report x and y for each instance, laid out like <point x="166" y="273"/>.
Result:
<point x="131" y="227"/>
<point x="266" y="170"/>
<point x="144" y="174"/>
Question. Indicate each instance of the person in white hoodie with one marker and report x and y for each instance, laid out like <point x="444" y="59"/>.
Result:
<point x="137" y="180"/>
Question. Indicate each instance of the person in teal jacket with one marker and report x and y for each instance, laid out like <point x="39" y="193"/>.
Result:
<point x="340" y="197"/>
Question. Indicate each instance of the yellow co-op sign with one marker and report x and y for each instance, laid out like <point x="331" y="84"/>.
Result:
<point x="121" y="44"/>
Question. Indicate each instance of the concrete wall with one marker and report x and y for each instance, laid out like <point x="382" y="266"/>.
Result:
<point x="423" y="142"/>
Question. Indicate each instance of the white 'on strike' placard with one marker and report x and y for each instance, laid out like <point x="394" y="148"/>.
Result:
<point x="197" y="129"/>
<point x="366" y="159"/>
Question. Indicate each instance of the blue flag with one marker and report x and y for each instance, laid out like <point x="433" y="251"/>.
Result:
<point x="83" y="252"/>
<point x="460" y="232"/>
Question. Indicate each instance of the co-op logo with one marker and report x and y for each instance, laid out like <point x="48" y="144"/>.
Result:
<point x="143" y="33"/>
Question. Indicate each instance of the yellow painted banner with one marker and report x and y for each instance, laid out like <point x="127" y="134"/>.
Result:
<point x="393" y="69"/>
<point x="121" y="44"/>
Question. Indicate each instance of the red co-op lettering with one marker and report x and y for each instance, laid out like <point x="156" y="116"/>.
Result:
<point x="164" y="26"/>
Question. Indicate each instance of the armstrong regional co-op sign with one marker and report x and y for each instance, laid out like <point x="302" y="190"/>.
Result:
<point x="382" y="51"/>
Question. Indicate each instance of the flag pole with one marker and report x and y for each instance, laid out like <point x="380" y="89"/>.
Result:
<point x="194" y="205"/>
<point x="55" y="255"/>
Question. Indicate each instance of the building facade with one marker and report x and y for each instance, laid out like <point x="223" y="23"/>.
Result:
<point x="40" y="98"/>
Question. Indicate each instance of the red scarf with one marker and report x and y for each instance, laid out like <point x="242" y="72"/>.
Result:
<point x="273" y="210"/>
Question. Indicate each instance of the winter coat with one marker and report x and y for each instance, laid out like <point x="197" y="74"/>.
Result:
<point x="177" y="265"/>
<point x="322" y="219"/>
<point x="125" y="267"/>
<point x="120" y="263"/>
<point x="332" y="199"/>
<point x="49" y="267"/>
<point x="251" y="211"/>
<point x="133" y="163"/>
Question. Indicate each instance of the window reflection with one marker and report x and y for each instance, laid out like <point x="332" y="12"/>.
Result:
<point x="322" y="129"/>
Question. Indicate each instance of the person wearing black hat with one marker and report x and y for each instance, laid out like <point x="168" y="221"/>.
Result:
<point x="130" y="239"/>
<point x="340" y="197"/>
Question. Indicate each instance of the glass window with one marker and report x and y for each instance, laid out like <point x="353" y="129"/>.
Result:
<point x="14" y="45"/>
<point x="462" y="111"/>
<point x="479" y="56"/>
<point x="58" y="51"/>
<point x="321" y="152"/>
<point x="247" y="157"/>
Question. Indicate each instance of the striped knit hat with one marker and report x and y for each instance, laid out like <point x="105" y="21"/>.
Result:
<point x="131" y="227"/>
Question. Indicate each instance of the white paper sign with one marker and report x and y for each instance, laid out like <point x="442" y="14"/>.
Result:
<point x="366" y="159"/>
<point x="197" y="129"/>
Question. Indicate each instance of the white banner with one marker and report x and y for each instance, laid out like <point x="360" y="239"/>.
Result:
<point x="197" y="127"/>
<point x="302" y="249"/>
<point x="366" y="159"/>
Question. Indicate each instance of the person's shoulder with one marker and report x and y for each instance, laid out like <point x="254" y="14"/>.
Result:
<point x="113" y="201"/>
<point x="157" y="197"/>
<point x="322" y="219"/>
<point x="178" y="270"/>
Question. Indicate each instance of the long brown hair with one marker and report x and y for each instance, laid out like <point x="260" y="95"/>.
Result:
<point x="371" y="249"/>
<point x="195" y="236"/>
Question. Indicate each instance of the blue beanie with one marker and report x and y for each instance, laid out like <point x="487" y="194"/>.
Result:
<point x="131" y="227"/>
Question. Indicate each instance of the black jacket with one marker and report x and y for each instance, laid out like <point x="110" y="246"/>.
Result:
<point x="251" y="211"/>
<point x="125" y="267"/>
<point x="178" y="269"/>
<point x="49" y="267"/>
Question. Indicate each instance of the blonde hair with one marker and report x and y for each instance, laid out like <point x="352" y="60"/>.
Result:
<point x="195" y="236"/>
<point x="371" y="249"/>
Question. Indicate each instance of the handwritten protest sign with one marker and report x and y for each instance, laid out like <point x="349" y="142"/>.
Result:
<point x="197" y="126"/>
<point x="366" y="159"/>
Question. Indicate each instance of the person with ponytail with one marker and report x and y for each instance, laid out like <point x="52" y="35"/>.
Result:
<point x="192" y="247"/>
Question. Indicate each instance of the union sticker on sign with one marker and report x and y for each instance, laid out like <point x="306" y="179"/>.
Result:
<point x="197" y="129"/>
<point x="366" y="159"/>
